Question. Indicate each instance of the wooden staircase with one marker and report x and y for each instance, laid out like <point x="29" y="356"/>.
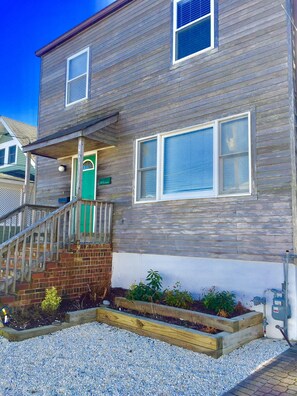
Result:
<point x="28" y="251"/>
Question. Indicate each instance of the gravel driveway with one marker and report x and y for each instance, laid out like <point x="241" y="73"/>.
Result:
<point x="96" y="359"/>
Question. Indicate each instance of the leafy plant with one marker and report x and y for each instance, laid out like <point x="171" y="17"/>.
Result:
<point x="178" y="298"/>
<point x="219" y="301"/>
<point x="51" y="302"/>
<point x="150" y="291"/>
<point x="154" y="280"/>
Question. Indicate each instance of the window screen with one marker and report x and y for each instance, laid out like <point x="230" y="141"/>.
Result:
<point x="147" y="164"/>
<point x="193" y="27"/>
<point x="77" y="78"/>
<point x="234" y="156"/>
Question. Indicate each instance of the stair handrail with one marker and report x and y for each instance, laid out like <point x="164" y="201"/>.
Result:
<point x="19" y="209"/>
<point x="37" y="224"/>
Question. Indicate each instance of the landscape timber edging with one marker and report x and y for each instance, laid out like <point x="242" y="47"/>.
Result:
<point x="214" y="345"/>
<point x="230" y="325"/>
<point x="72" y="319"/>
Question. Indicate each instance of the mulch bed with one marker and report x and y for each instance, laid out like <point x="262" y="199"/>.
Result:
<point x="28" y="318"/>
<point x="32" y="317"/>
<point x="195" y="306"/>
<point x="178" y="322"/>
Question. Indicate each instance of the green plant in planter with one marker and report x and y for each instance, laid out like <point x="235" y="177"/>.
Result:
<point x="150" y="291"/>
<point x="178" y="298"/>
<point x="219" y="302"/>
<point x="51" y="302"/>
<point x="154" y="280"/>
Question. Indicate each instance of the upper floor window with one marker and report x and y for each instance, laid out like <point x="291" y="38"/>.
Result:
<point x="8" y="154"/>
<point x="206" y="161"/>
<point x="77" y="77"/>
<point x="2" y="157"/>
<point x="193" y="27"/>
<point x="11" y="155"/>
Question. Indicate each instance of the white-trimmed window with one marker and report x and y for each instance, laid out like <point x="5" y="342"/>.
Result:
<point x="11" y="155"/>
<point x="77" y="77"/>
<point x="8" y="154"/>
<point x="204" y="161"/>
<point x="2" y="157"/>
<point x="146" y="169"/>
<point x="193" y="27"/>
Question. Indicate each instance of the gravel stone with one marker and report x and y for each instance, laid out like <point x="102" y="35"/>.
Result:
<point x="96" y="359"/>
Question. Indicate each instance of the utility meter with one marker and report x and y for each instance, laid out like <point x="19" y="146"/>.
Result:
<point x="279" y="309"/>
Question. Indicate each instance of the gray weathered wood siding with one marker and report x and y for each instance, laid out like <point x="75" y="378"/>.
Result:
<point x="132" y="72"/>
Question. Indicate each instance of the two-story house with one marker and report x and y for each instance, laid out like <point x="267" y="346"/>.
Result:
<point x="13" y="135"/>
<point x="182" y="114"/>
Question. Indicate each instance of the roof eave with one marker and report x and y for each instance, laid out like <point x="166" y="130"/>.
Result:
<point x="107" y="11"/>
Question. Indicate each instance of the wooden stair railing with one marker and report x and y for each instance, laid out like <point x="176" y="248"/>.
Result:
<point x="20" y="218"/>
<point x="84" y="221"/>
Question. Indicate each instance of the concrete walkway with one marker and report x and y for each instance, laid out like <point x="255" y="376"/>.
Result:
<point x="278" y="377"/>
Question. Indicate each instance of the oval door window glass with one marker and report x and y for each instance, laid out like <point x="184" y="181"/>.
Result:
<point x="88" y="165"/>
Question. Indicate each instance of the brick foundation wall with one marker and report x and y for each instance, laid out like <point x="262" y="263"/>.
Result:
<point x="83" y="265"/>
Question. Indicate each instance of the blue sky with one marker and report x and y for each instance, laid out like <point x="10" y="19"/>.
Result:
<point x="26" y="26"/>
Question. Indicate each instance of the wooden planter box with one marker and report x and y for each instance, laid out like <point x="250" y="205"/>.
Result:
<point x="235" y="332"/>
<point x="72" y="319"/>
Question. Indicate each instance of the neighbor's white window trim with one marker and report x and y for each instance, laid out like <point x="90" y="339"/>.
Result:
<point x="175" y="29"/>
<point x="87" y="50"/>
<point x="6" y="146"/>
<point x="214" y="193"/>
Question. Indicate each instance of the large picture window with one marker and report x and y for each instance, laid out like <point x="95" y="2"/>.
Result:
<point x="188" y="164"/>
<point x="193" y="27"/>
<point x="77" y="77"/>
<point x="205" y="161"/>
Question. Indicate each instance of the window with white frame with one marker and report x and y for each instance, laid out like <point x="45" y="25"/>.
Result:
<point x="193" y="27"/>
<point x="146" y="169"/>
<point x="77" y="77"/>
<point x="204" y="161"/>
<point x="11" y="155"/>
<point x="8" y="154"/>
<point x="2" y="157"/>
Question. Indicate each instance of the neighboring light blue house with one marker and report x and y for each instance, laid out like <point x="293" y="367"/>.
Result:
<point x="13" y="135"/>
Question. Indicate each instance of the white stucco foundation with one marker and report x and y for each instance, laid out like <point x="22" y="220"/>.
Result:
<point x="245" y="278"/>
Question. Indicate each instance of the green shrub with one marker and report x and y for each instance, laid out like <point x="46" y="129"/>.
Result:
<point x="219" y="301"/>
<point x="178" y="298"/>
<point x="151" y="291"/>
<point x="52" y="301"/>
<point x="154" y="280"/>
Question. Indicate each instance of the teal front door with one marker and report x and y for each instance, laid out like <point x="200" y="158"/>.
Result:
<point x="88" y="191"/>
